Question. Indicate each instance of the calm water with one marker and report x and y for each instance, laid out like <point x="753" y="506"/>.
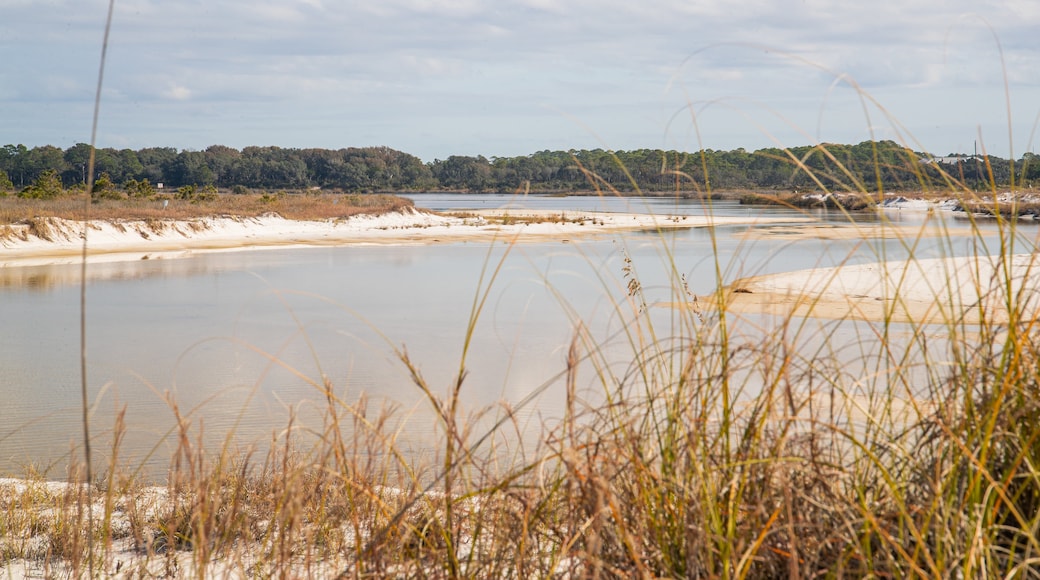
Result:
<point x="241" y="341"/>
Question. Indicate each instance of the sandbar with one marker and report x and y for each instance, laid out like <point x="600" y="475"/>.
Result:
<point x="57" y="241"/>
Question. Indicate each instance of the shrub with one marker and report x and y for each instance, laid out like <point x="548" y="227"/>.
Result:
<point x="139" y="189"/>
<point x="105" y="189"/>
<point x="5" y="183"/>
<point x="47" y="186"/>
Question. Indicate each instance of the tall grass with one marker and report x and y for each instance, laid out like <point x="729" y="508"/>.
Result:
<point x="726" y="446"/>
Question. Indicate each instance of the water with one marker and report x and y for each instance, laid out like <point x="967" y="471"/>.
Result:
<point x="663" y="205"/>
<point x="236" y="343"/>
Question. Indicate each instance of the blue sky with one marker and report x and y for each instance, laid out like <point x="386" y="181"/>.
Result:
<point x="511" y="77"/>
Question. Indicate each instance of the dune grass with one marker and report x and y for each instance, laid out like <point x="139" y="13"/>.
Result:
<point x="724" y="447"/>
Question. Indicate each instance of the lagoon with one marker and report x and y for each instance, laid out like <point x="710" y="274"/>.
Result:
<point x="237" y="343"/>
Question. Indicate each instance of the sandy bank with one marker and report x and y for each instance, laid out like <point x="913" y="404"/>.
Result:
<point x="933" y="290"/>
<point x="57" y="241"/>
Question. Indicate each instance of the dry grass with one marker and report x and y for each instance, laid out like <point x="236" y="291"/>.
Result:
<point x="297" y="206"/>
<point x="522" y="217"/>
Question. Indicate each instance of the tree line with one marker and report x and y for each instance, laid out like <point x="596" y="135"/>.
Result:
<point x="865" y="166"/>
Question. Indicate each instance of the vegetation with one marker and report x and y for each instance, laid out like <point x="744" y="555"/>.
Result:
<point x="5" y="183"/>
<point x="867" y="166"/>
<point x="192" y="202"/>
<point x="719" y="449"/>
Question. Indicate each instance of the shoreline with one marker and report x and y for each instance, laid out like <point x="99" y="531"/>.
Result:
<point x="55" y="241"/>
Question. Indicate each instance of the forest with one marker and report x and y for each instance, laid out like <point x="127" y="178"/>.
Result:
<point x="45" y="171"/>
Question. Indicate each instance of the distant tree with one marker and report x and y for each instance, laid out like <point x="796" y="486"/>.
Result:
<point x="130" y="165"/>
<point x="46" y="158"/>
<point x="46" y="186"/>
<point x="77" y="158"/>
<point x="104" y="188"/>
<point x="109" y="161"/>
<point x="865" y="166"/>
<point x="138" y="189"/>
<point x="156" y="163"/>
<point x="462" y="172"/>
<point x="403" y="171"/>
<point x="1030" y="168"/>
<point x="323" y="166"/>
<point x="15" y="160"/>
<point x="190" y="167"/>
<point x="5" y="182"/>
<point x="187" y="192"/>
<point x="270" y="168"/>
<point x="221" y="160"/>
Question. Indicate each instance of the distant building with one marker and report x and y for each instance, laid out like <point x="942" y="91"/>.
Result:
<point x="948" y="160"/>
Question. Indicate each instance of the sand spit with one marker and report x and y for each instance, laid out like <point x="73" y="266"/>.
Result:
<point x="56" y="241"/>
<point x="939" y="290"/>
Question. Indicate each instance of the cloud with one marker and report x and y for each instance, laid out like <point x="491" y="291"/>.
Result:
<point x="543" y="72"/>
<point x="178" y="92"/>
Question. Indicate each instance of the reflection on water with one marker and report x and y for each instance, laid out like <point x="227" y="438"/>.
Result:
<point x="660" y="205"/>
<point x="241" y="341"/>
<point x="47" y="277"/>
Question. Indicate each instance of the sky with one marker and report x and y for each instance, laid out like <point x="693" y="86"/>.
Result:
<point x="504" y="78"/>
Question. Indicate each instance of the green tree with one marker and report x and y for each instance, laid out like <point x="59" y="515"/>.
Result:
<point x="46" y="158"/>
<point x="187" y="192"/>
<point x="270" y="168"/>
<point x="156" y="163"/>
<point x="1030" y="168"/>
<point x="462" y="172"/>
<point x="15" y="160"/>
<point x="104" y="188"/>
<point x="220" y="160"/>
<point x="190" y="167"/>
<point x="138" y="189"/>
<point x="5" y="183"/>
<point x="130" y="165"/>
<point x="77" y="158"/>
<point x="109" y="161"/>
<point x="46" y="186"/>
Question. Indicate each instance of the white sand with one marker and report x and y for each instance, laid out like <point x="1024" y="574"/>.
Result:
<point x="933" y="290"/>
<point x="135" y="240"/>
